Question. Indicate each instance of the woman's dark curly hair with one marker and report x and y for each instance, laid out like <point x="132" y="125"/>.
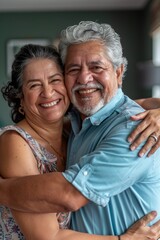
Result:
<point x="12" y="92"/>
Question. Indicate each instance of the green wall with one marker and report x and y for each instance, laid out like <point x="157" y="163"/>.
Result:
<point x="131" y="25"/>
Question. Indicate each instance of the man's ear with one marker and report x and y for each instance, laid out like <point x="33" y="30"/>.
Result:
<point x="119" y="74"/>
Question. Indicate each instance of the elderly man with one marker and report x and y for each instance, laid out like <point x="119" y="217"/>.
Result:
<point x="112" y="184"/>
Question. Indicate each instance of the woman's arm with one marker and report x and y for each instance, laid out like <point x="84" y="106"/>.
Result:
<point x="149" y="103"/>
<point x="44" y="226"/>
<point x="33" y="226"/>
<point x="138" y="231"/>
<point x="150" y="125"/>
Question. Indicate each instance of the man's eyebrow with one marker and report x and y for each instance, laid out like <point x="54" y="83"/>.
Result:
<point x="90" y="63"/>
<point x="96" y="62"/>
<point x="72" y="65"/>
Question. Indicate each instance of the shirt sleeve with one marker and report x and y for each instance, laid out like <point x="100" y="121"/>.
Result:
<point x="110" y="169"/>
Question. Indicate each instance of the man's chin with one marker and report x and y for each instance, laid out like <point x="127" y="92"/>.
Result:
<point x="89" y="110"/>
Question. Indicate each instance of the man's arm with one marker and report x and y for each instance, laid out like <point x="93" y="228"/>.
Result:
<point x="38" y="193"/>
<point x="36" y="203"/>
<point x="26" y="194"/>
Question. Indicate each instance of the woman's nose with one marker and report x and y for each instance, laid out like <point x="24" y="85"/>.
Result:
<point x="48" y="91"/>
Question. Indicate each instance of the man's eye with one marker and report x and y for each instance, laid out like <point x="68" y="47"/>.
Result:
<point x="97" y="68"/>
<point x="73" y="70"/>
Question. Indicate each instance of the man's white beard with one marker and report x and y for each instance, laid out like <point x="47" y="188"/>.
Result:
<point x="86" y="109"/>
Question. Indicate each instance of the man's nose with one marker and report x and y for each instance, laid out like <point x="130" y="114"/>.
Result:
<point x="85" y="76"/>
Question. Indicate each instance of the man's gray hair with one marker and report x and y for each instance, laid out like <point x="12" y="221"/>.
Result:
<point x="86" y="31"/>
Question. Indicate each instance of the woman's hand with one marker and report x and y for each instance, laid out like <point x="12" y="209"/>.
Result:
<point x="140" y="230"/>
<point x="148" y="129"/>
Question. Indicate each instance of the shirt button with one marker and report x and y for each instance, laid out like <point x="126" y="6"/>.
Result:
<point x="85" y="173"/>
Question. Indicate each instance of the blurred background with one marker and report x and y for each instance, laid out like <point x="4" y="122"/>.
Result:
<point x="40" y="21"/>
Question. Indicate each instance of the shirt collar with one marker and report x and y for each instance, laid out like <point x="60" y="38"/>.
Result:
<point x="108" y="109"/>
<point x="99" y="116"/>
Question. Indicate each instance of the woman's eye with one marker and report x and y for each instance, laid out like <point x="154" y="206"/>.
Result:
<point x="57" y="80"/>
<point x="35" y="85"/>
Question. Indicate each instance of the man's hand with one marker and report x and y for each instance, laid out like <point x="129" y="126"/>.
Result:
<point x="148" y="129"/>
<point x="140" y="230"/>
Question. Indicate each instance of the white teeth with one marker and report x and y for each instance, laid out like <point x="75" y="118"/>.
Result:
<point x="86" y="91"/>
<point x="50" y="104"/>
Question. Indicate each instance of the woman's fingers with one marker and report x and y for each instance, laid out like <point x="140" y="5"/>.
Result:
<point x="148" y="130"/>
<point x="144" y="221"/>
<point x="154" y="147"/>
<point x="141" y="231"/>
<point x="154" y="231"/>
<point x="150" y="146"/>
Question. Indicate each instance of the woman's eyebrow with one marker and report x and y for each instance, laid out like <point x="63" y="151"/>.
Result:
<point x="38" y="80"/>
<point x="32" y="80"/>
<point x="56" y="74"/>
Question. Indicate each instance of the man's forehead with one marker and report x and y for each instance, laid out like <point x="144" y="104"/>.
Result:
<point x="89" y="63"/>
<point x="89" y="59"/>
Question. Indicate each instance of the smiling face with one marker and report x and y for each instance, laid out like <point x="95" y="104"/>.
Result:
<point x="44" y="93"/>
<point x="90" y="78"/>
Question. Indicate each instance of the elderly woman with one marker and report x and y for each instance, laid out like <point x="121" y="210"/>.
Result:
<point x="37" y="143"/>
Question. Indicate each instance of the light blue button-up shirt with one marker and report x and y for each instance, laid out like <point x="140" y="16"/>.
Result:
<point x="121" y="186"/>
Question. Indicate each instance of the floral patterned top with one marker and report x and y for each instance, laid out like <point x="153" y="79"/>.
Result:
<point x="46" y="162"/>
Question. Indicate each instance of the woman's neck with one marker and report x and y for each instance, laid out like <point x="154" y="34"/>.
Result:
<point x="49" y="136"/>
